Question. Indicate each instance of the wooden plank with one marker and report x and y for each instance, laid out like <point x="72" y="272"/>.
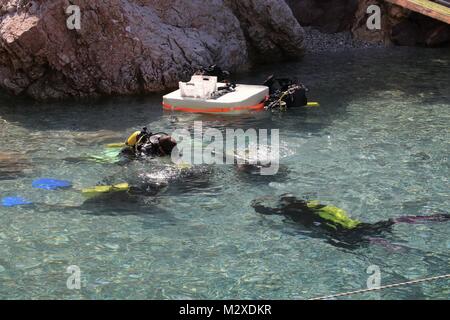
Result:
<point x="445" y="3"/>
<point x="428" y="8"/>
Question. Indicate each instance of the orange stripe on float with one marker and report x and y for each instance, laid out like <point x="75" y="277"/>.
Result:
<point x="167" y="106"/>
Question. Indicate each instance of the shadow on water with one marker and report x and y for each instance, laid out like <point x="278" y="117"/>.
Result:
<point x="151" y="214"/>
<point x="13" y="165"/>
<point x="112" y="113"/>
<point x="146" y="191"/>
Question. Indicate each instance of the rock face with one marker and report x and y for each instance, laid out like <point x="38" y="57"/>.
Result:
<point x="328" y="16"/>
<point x="401" y="26"/>
<point x="269" y="27"/>
<point x="398" y="26"/>
<point x="132" y="46"/>
<point x="359" y="28"/>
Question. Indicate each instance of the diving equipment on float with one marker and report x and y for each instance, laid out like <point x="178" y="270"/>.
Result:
<point x="209" y="91"/>
<point x="203" y="94"/>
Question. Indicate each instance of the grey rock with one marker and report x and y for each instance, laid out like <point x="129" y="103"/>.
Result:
<point x="136" y="46"/>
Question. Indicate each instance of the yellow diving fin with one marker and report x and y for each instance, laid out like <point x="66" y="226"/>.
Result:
<point x="115" y="145"/>
<point x="313" y="104"/>
<point x="98" y="190"/>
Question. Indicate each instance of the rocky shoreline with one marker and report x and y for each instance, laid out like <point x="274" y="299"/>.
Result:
<point x="316" y="41"/>
<point x="125" y="47"/>
<point x="135" y="46"/>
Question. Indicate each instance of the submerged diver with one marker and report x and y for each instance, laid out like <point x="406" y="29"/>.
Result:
<point x="146" y="144"/>
<point x="333" y="222"/>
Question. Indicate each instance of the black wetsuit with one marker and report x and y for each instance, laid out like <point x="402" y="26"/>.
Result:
<point x="344" y="232"/>
<point x="148" y="147"/>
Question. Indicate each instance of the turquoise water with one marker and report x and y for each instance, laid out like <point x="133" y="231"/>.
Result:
<point x="377" y="147"/>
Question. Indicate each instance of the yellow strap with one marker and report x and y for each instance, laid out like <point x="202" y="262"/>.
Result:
<point x="115" y="145"/>
<point x="313" y="104"/>
<point x="105" y="189"/>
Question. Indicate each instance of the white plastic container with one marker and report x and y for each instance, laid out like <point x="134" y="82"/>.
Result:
<point x="200" y="87"/>
<point x="190" y="90"/>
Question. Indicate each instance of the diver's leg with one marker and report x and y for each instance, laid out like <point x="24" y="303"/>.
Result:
<point x="365" y="231"/>
<point x="440" y="217"/>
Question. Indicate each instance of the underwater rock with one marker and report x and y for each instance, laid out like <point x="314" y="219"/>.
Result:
<point x="421" y="156"/>
<point x="13" y="165"/>
<point x="135" y="46"/>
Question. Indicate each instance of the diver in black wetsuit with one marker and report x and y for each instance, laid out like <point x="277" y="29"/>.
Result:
<point x="333" y="223"/>
<point x="146" y="144"/>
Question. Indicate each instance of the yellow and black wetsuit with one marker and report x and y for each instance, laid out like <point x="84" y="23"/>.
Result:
<point x="333" y="222"/>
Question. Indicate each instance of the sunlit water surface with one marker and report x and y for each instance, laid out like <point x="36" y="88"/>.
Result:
<point x="377" y="147"/>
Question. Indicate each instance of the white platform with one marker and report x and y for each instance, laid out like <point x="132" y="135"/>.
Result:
<point x="245" y="98"/>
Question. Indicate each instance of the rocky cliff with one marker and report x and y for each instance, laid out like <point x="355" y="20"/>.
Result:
<point x="328" y="16"/>
<point x="133" y="46"/>
<point x="401" y="26"/>
<point x="398" y="26"/>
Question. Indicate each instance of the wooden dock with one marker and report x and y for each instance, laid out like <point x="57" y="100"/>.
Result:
<point x="425" y="7"/>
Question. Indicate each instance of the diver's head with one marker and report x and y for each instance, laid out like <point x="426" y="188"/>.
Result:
<point x="166" y="145"/>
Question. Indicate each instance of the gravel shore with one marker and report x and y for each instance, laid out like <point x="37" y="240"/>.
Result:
<point x="316" y="41"/>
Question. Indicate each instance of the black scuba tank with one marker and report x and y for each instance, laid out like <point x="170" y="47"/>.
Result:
<point x="297" y="98"/>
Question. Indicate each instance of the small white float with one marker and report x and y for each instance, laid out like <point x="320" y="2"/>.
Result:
<point x="203" y="94"/>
